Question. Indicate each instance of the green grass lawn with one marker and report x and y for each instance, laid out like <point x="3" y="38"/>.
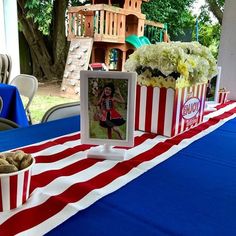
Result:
<point x="41" y="104"/>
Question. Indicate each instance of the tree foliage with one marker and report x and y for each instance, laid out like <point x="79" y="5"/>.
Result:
<point x="40" y="12"/>
<point x="173" y="12"/>
<point x="209" y="30"/>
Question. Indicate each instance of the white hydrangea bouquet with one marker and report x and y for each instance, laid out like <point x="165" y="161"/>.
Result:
<point x="174" y="64"/>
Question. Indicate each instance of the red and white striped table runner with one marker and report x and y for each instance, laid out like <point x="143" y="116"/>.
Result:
<point x="64" y="181"/>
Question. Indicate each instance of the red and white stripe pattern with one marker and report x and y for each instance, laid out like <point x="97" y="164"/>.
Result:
<point x="64" y="181"/>
<point x="159" y="110"/>
<point x="14" y="189"/>
<point x="223" y="97"/>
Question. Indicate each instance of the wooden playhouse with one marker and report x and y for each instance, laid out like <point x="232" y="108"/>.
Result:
<point x="100" y="31"/>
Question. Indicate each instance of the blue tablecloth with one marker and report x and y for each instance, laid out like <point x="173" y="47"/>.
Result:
<point x="13" y="108"/>
<point x="192" y="193"/>
<point x="11" y="139"/>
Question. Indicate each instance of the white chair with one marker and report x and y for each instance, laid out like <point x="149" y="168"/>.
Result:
<point x="62" y="111"/>
<point x="27" y="86"/>
<point x="5" y="68"/>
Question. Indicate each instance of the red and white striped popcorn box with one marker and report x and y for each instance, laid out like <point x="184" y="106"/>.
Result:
<point x="14" y="188"/>
<point x="169" y="111"/>
<point x="223" y="96"/>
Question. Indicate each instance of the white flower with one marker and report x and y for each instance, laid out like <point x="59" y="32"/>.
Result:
<point x="189" y="62"/>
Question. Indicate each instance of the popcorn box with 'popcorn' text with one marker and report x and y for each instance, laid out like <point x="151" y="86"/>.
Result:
<point x="168" y="111"/>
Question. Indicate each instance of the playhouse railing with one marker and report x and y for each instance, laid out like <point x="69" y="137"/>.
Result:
<point x="102" y="22"/>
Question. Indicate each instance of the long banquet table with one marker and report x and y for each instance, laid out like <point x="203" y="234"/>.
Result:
<point x="184" y="185"/>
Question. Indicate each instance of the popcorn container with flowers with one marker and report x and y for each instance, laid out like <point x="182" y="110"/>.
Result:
<point x="171" y="89"/>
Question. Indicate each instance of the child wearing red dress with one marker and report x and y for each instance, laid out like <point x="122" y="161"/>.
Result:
<point x="110" y="118"/>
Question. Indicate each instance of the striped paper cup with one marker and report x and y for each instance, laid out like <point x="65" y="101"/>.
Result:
<point x="223" y="96"/>
<point x="14" y="188"/>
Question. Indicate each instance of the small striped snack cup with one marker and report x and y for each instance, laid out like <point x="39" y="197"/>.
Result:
<point x="14" y="188"/>
<point x="223" y="96"/>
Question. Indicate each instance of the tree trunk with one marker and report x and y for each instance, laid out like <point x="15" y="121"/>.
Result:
<point x="58" y="31"/>
<point x="37" y="71"/>
<point x="216" y="10"/>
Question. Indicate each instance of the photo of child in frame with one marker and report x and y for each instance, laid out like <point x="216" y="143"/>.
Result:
<point x="213" y="87"/>
<point x="108" y="108"/>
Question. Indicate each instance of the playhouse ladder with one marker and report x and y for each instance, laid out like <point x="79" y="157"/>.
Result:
<point x="78" y="59"/>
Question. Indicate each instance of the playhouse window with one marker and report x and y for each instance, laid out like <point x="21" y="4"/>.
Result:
<point x="115" y="59"/>
<point x="118" y="3"/>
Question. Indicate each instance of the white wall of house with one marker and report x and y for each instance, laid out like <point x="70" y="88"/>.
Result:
<point x="9" y="40"/>
<point x="227" y="51"/>
<point x="2" y="29"/>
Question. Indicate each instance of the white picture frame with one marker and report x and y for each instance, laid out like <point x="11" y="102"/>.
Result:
<point x="212" y="101"/>
<point x="95" y="127"/>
